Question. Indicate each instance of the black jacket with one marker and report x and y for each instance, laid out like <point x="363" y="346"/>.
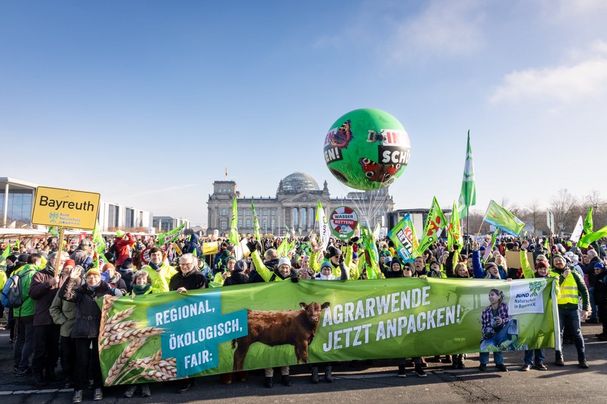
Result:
<point x="194" y="280"/>
<point x="236" y="278"/>
<point x="43" y="290"/>
<point x="88" y="313"/>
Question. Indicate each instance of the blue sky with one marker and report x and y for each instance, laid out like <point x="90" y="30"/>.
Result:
<point x="147" y="102"/>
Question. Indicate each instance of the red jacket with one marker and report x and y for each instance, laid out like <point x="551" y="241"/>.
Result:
<point x="122" y="246"/>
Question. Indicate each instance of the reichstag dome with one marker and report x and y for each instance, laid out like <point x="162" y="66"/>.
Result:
<point x="292" y="209"/>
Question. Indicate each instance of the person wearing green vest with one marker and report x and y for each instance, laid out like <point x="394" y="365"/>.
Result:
<point x="159" y="271"/>
<point x="571" y="287"/>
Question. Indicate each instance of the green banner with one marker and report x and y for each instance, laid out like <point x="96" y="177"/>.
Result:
<point x="170" y="336"/>
<point x="404" y="239"/>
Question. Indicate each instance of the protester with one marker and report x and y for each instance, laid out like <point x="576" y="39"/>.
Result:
<point x="64" y="315"/>
<point x="24" y="314"/>
<point x="188" y="278"/>
<point x="159" y="271"/>
<point x="43" y="289"/>
<point x="85" y="330"/>
<point x="535" y="357"/>
<point x="141" y="287"/>
<point x="571" y="287"/>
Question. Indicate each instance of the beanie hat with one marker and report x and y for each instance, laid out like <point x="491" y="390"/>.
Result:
<point x="93" y="271"/>
<point x="69" y="263"/>
<point x="284" y="261"/>
<point x="119" y="234"/>
<point x="599" y="265"/>
<point x="326" y="264"/>
<point x="555" y="256"/>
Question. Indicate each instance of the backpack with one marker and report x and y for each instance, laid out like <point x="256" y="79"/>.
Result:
<point x="11" y="293"/>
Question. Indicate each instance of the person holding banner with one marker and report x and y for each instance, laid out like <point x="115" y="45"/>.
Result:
<point x="535" y="357"/>
<point x="85" y="331"/>
<point x="188" y="278"/>
<point x="159" y="271"/>
<point x="571" y="286"/>
<point x="141" y="287"/>
<point x="327" y="275"/>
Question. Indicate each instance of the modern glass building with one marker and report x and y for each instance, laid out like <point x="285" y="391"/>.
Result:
<point x="16" y="198"/>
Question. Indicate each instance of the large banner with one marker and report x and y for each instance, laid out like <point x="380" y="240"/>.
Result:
<point x="170" y="336"/>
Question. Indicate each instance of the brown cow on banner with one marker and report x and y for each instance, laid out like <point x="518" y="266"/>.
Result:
<point x="294" y="327"/>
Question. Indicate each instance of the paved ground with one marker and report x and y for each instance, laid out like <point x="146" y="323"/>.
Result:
<point x="376" y="383"/>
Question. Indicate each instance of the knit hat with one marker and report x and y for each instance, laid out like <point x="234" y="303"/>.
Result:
<point x="326" y="264"/>
<point x="599" y="265"/>
<point x="69" y="263"/>
<point x="119" y="234"/>
<point x="284" y="261"/>
<point x="555" y="256"/>
<point x="93" y="271"/>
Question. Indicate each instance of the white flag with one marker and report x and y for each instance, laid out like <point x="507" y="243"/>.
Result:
<point x="323" y="226"/>
<point x="577" y="230"/>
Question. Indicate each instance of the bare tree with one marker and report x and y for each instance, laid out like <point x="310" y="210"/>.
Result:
<point x="533" y="216"/>
<point x="564" y="207"/>
<point x="595" y="201"/>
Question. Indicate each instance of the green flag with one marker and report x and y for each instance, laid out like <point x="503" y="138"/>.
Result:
<point x="435" y="222"/>
<point x="6" y="252"/>
<point x="592" y="237"/>
<point x="404" y="239"/>
<point x="98" y="240"/>
<point x="454" y="231"/>
<point x="503" y="219"/>
<point x="370" y="248"/>
<point x="588" y="224"/>
<point x="256" y="227"/>
<point x="233" y="236"/>
<point x="169" y="236"/>
<point x="467" y="195"/>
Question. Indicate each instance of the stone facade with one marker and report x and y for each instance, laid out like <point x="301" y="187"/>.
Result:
<point x="293" y="208"/>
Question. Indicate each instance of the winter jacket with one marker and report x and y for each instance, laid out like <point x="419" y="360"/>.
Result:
<point x="88" y="313"/>
<point x="192" y="281"/>
<point x="122" y="248"/>
<point x="63" y="313"/>
<point x="43" y="290"/>
<point x="600" y="289"/>
<point x="236" y="278"/>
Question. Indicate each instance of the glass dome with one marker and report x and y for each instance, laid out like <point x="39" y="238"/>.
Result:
<point x="296" y="183"/>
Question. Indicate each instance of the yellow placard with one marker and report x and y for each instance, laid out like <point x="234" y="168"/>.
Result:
<point x="65" y="208"/>
<point x="210" y="248"/>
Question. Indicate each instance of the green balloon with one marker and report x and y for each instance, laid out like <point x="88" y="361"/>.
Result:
<point x="367" y="149"/>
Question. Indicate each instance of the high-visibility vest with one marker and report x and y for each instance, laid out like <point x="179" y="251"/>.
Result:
<point x="569" y="293"/>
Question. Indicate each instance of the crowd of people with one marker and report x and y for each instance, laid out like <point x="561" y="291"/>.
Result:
<point x="54" y="315"/>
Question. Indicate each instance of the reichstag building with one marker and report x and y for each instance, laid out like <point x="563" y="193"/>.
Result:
<point x="293" y="208"/>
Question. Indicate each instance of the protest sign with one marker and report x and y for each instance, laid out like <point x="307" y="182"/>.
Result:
<point x="65" y="208"/>
<point x="169" y="336"/>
